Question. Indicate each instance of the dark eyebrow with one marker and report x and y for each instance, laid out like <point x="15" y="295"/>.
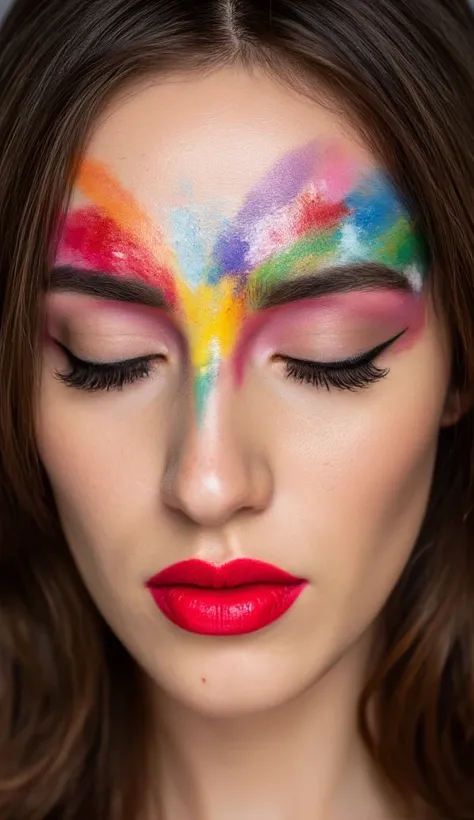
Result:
<point x="68" y="279"/>
<point x="341" y="279"/>
<point x="327" y="282"/>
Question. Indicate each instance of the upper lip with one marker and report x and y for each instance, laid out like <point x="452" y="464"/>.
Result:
<point x="239" y="572"/>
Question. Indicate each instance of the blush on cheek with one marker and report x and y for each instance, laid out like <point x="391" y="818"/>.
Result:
<point x="384" y="313"/>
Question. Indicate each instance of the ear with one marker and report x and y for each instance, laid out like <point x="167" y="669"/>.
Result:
<point x="458" y="403"/>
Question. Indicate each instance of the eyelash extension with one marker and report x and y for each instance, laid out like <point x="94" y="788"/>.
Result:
<point x="351" y="374"/>
<point x="94" y="376"/>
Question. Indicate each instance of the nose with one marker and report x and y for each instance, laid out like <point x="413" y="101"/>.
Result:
<point x="215" y="470"/>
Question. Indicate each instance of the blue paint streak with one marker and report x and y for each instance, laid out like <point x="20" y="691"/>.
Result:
<point x="189" y="245"/>
<point x="374" y="206"/>
<point x="230" y="254"/>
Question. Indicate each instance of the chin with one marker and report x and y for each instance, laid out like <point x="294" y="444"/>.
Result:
<point x="226" y="682"/>
<point x="221" y="701"/>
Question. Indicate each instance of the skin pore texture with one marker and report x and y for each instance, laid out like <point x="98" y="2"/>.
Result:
<point x="252" y="231"/>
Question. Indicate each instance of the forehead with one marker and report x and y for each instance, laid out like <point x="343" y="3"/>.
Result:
<point x="212" y="139"/>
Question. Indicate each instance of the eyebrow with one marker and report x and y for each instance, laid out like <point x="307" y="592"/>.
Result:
<point x="340" y="279"/>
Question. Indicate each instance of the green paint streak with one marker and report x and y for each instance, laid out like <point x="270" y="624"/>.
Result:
<point x="204" y="383"/>
<point x="400" y="247"/>
<point x="311" y="247"/>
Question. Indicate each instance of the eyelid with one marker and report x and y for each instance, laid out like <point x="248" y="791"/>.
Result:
<point x="353" y="361"/>
<point x="72" y="315"/>
<point x="87" y="363"/>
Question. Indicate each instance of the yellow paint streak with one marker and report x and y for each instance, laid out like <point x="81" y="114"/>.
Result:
<point x="214" y="315"/>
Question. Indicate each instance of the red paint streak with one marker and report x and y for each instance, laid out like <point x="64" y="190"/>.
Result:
<point x="269" y="326"/>
<point x="90" y="239"/>
<point x="317" y="214"/>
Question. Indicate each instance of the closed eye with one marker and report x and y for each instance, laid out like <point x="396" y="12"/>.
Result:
<point x="353" y="374"/>
<point x="94" y="376"/>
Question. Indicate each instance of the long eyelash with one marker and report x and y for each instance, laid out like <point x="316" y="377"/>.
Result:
<point x="351" y="374"/>
<point x="349" y="378"/>
<point x="104" y="376"/>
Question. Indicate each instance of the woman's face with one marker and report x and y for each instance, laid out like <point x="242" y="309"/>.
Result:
<point x="285" y="382"/>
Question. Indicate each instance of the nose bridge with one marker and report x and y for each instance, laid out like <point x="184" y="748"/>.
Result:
<point x="214" y="469"/>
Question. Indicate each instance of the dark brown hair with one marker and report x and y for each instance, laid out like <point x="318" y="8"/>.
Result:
<point x="73" y="734"/>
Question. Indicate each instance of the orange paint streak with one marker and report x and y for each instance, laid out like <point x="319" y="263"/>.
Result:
<point x="98" y="184"/>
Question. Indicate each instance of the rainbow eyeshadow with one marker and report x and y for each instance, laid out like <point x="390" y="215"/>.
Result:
<point x="314" y="210"/>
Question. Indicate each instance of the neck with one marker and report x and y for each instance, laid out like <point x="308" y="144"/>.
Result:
<point x="301" y="760"/>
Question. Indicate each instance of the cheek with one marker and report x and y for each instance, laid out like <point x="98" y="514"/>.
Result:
<point x="355" y="469"/>
<point x="103" y="469"/>
<point x="102" y="456"/>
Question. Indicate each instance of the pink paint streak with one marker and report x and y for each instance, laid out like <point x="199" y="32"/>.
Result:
<point x="339" y="172"/>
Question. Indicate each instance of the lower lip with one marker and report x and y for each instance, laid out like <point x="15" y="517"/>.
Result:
<point x="227" y="611"/>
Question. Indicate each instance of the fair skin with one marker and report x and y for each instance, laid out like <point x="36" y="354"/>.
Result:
<point x="328" y="484"/>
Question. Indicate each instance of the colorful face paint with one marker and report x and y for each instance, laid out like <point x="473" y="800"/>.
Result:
<point x="300" y="328"/>
<point x="314" y="210"/>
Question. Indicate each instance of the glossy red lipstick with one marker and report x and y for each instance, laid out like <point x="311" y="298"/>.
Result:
<point x="235" y="598"/>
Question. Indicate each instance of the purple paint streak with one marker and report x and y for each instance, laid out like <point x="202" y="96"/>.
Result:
<point x="279" y="187"/>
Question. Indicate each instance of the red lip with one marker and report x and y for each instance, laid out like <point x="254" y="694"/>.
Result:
<point x="235" y="598"/>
